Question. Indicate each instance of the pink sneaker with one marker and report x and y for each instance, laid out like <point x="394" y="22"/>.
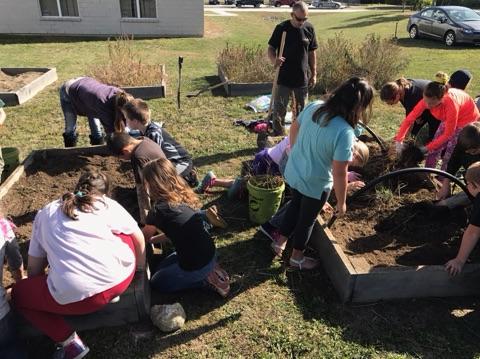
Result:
<point x="219" y="281"/>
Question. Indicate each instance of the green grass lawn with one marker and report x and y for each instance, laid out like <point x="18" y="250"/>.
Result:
<point x="272" y="313"/>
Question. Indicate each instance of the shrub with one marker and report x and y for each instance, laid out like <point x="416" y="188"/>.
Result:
<point x="377" y="59"/>
<point x="245" y="63"/>
<point x="124" y="67"/>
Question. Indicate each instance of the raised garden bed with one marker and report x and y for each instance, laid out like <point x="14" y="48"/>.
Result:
<point x="43" y="177"/>
<point x="243" y="89"/>
<point x="147" y="92"/>
<point x="392" y="246"/>
<point x="18" y="85"/>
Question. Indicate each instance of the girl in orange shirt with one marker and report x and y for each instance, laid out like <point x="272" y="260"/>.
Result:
<point x="454" y="108"/>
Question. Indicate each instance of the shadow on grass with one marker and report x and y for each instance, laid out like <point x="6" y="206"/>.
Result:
<point x="420" y="328"/>
<point x="372" y="20"/>
<point x="223" y="156"/>
<point x="424" y="43"/>
<point x="199" y="84"/>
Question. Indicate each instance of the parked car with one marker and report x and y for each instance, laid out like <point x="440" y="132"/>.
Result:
<point x="255" y="3"/>
<point x="450" y="24"/>
<point x="278" y="3"/>
<point x="327" y="4"/>
<point x="213" y="2"/>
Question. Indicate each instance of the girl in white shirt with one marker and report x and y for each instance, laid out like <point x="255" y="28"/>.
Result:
<point x="92" y="246"/>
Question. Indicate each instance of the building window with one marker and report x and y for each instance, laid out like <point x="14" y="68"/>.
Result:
<point x="138" y="8"/>
<point x="59" y="8"/>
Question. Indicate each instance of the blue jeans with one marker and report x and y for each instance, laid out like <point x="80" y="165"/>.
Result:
<point x="70" y="116"/>
<point x="169" y="277"/>
<point x="9" y="346"/>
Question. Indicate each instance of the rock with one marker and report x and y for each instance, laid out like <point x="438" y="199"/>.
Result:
<point x="168" y="317"/>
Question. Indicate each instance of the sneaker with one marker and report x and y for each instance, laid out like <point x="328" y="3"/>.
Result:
<point x="214" y="219"/>
<point x="219" y="281"/>
<point x="236" y="189"/>
<point x="207" y="182"/>
<point x="270" y="231"/>
<point x="73" y="350"/>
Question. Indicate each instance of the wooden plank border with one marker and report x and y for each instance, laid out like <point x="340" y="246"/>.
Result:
<point x="31" y="89"/>
<point x="244" y="89"/>
<point x="356" y="281"/>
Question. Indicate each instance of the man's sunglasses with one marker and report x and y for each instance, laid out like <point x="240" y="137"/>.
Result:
<point x="299" y="19"/>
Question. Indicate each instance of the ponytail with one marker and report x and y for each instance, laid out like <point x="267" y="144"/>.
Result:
<point x="91" y="184"/>
<point x="121" y="98"/>
<point x="437" y="88"/>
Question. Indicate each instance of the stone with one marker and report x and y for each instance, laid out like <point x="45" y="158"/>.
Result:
<point x="168" y="317"/>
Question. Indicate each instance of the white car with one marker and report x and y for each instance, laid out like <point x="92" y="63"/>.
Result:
<point x="327" y="4"/>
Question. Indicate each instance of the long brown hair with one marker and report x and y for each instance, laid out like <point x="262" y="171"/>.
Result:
<point x="390" y="90"/>
<point x="165" y="185"/>
<point x="352" y="100"/>
<point x="121" y="98"/>
<point x="91" y="184"/>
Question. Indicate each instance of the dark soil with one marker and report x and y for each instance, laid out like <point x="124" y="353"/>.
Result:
<point x="47" y="179"/>
<point x="396" y="223"/>
<point x="10" y="83"/>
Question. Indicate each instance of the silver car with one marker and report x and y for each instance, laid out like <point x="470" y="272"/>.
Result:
<point x="450" y="24"/>
<point x="327" y="4"/>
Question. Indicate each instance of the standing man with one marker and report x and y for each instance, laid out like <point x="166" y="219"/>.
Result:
<point x="298" y="63"/>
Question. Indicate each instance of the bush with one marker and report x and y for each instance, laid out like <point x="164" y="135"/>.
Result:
<point x="377" y="59"/>
<point x="245" y="63"/>
<point x="124" y="66"/>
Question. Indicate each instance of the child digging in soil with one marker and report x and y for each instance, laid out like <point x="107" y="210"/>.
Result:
<point x="454" y="108"/>
<point x="360" y="158"/>
<point x="92" y="247"/>
<point x="175" y="213"/>
<point x="9" y="347"/>
<point x="322" y="141"/>
<point x="100" y="103"/>
<point x="138" y="117"/>
<point x="472" y="233"/>
<point x="466" y="152"/>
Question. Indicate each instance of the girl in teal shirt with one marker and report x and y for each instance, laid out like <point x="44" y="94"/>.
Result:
<point x="323" y="136"/>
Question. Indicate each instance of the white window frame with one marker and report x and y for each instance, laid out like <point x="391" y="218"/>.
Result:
<point x="60" y="15"/>
<point x="137" y="5"/>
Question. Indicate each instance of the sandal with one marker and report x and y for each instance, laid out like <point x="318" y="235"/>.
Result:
<point x="306" y="263"/>
<point x="278" y="249"/>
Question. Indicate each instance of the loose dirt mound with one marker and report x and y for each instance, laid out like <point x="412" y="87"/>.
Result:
<point x="10" y="83"/>
<point x="396" y="223"/>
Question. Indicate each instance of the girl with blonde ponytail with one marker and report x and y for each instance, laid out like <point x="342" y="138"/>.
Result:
<point x="453" y="107"/>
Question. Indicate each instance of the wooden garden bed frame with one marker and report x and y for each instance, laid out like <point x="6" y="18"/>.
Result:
<point x="149" y="92"/>
<point x="134" y="303"/>
<point x="244" y="89"/>
<point x="357" y="281"/>
<point x="25" y="93"/>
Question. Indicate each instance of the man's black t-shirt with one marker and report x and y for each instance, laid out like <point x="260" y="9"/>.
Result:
<point x="185" y="228"/>
<point x="298" y="43"/>
<point x="475" y="216"/>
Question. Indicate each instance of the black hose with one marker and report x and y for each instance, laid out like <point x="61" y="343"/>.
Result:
<point x="399" y="173"/>
<point x="376" y="137"/>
